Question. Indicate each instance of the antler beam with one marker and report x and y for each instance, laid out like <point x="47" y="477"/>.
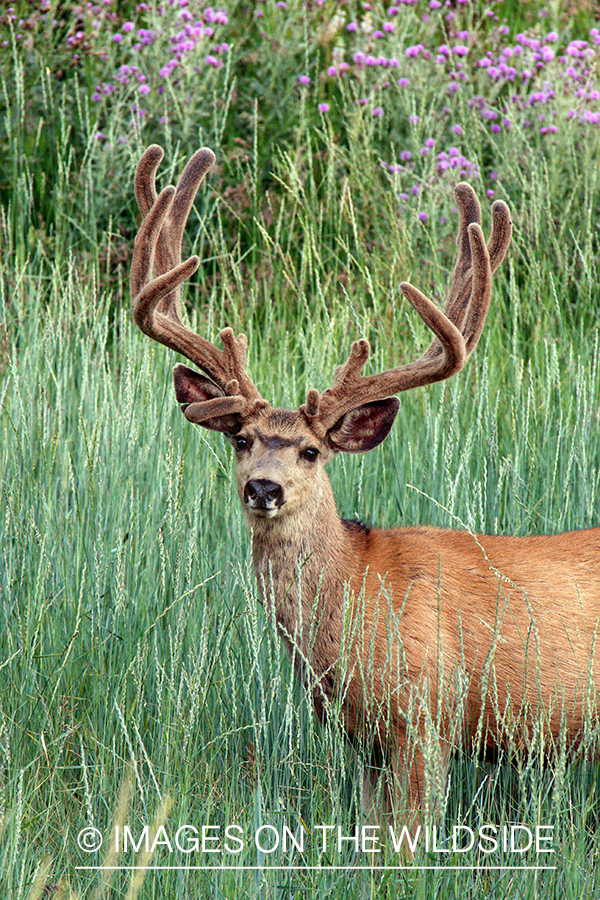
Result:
<point x="157" y="273"/>
<point x="457" y="328"/>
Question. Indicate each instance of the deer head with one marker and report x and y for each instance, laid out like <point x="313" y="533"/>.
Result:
<point x="280" y="453"/>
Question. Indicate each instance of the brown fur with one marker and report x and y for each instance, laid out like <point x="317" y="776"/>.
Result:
<point x="517" y="617"/>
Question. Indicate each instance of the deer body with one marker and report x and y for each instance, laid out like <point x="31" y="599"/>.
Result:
<point x="519" y="612"/>
<point x="407" y="629"/>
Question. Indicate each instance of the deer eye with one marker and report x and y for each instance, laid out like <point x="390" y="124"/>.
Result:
<point x="241" y="443"/>
<point x="309" y="454"/>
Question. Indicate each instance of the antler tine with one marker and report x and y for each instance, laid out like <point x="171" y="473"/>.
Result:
<point x="168" y="246"/>
<point x="460" y="292"/>
<point x="157" y="274"/>
<point x="457" y="328"/>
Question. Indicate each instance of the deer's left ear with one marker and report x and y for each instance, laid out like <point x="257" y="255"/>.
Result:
<point x="365" y="427"/>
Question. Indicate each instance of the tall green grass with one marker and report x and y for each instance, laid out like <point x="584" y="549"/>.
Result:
<point x="140" y="680"/>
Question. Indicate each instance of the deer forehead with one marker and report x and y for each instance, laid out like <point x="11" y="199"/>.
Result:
<point x="278" y="429"/>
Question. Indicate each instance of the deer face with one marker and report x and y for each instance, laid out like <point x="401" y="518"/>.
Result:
<point x="279" y="463"/>
<point x="279" y="458"/>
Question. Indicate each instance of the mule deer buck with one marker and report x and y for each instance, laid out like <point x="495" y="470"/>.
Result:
<point x="474" y="633"/>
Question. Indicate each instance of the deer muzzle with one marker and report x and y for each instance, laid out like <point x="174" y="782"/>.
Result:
<point x="263" y="497"/>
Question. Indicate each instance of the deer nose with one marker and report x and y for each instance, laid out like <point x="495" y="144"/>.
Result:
<point x="263" y="494"/>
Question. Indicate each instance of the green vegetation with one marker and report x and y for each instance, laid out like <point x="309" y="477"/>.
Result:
<point x="138" y="676"/>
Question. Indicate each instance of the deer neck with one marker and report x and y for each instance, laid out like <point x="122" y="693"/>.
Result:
<point x="301" y="563"/>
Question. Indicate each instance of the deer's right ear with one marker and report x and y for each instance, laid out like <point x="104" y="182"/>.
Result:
<point x="192" y="387"/>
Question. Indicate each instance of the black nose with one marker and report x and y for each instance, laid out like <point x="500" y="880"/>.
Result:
<point x="263" y="494"/>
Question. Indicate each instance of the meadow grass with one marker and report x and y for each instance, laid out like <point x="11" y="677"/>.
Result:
<point x="140" y="681"/>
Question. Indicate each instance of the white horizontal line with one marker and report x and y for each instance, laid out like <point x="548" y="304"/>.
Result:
<point x="312" y="868"/>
